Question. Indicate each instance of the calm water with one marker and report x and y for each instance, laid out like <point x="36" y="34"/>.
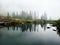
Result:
<point x="30" y="34"/>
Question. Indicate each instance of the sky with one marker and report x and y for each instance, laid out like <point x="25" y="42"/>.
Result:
<point x="51" y="7"/>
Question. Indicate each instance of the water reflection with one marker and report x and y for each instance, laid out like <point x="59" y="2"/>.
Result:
<point x="44" y="26"/>
<point x="28" y="27"/>
<point x="24" y="27"/>
<point x="58" y="30"/>
<point x="29" y="34"/>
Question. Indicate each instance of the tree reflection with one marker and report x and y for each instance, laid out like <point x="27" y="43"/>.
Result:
<point x="27" y="27"/>
<point x="34" y="27"/>
<point x="23" y="27"/>
<point x="13" y="27"/>
<point x="58" y="30"/>
<point x="31" y="27"/>
<point x="44" y="26"/>
<point x="8" y="27"/>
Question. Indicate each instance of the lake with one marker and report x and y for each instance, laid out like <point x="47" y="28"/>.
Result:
<point x="30" y="34"/>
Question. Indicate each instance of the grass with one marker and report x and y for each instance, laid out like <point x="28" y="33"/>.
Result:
<point x="20" y="20"/>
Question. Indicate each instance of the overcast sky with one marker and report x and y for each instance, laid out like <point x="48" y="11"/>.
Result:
<point x="51" y="7"/>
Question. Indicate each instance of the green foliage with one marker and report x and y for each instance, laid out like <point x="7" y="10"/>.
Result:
<point x="58" y="22"/>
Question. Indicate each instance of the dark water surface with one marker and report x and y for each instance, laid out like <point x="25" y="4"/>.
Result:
<point x="30" y="34"/>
